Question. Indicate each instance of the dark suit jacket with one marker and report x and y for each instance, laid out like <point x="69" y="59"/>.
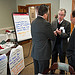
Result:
<point x="42" y="33"/>
<point x="63" y="36"/>
<point x="71" y="50"/>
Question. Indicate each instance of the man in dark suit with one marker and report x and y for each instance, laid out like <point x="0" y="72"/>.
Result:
<point x="42" y="33"/>
<point x="62" y="28"/>
<point x="71" y="47"/>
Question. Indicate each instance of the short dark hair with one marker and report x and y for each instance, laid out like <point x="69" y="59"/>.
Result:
<point x="63" y="10"/>
<point x="73" y="13"/>
<point x="43" y="9"/>
<point x="56" y="16"/>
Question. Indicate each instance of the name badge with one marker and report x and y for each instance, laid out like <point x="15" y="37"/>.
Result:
<point x="63" y="30"/>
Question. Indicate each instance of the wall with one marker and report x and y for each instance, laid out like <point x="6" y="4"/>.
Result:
<point x="54" y="5"/>
<point x="6" y="9"/>
<point x="67" y="4"/>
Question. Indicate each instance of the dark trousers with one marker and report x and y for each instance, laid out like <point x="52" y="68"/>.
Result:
<point x="58" y="49"/>
<point x="40" y="65"/>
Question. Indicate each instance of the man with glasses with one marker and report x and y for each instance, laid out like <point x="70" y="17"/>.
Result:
<point x="62" y="28"/>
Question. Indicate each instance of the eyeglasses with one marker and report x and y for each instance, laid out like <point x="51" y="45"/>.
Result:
<point x="61" y="14"/>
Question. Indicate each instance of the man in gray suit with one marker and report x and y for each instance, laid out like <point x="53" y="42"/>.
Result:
<point x="71" y="47"/>
<point x="62" y="28"/>
<point x="42" y="34"/>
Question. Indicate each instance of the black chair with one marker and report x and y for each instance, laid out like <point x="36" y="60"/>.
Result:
<point x="61" y="66"/>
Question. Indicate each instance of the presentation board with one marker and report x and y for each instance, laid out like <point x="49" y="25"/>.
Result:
<point x="22" y="26"/>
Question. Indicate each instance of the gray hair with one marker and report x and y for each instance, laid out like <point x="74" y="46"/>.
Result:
<point x="63" y="10"/>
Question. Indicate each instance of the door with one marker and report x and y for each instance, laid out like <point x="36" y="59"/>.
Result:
<point x="25" y="9"/>
<point x="36" y="5"/>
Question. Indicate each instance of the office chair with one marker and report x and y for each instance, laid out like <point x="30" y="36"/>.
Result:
<point x="61" y="66"/>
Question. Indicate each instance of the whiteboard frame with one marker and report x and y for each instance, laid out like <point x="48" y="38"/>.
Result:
<point x="15" y="27"/>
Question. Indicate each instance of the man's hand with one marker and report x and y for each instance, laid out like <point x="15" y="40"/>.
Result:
<point x="58" y="31"/>
<point x="55" y="33"/>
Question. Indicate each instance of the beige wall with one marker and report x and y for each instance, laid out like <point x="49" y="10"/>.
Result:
<point x="6" y="9"/>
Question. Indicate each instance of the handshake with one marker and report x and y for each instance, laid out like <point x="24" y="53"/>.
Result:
<point x="57" y="32"/>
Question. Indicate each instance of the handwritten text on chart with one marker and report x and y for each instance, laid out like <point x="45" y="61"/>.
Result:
<point x="22" y="25"/>
<point x="16" y="58"/>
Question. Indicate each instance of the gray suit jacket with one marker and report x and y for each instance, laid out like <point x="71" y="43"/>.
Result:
<point x="64" y="36"/>
<point x="42" y="34"/>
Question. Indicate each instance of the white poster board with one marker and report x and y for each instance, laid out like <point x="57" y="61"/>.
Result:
<point x="3" y="64"/>
<point x="16" y="60"/>
<point x="22" y="26"/>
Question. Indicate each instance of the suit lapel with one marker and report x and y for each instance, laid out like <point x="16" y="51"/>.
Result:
<point x="63" y="23"/>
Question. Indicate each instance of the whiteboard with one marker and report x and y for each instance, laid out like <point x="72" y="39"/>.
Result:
<point x="22" y="26"/>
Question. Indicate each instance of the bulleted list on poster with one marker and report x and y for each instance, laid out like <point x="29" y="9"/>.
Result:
<point x="22" y="26"/>
<point x="16" y="60"/>
<point x="3" y="64"/>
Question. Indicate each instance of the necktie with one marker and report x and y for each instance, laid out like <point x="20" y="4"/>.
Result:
<point x="59" y="22"/>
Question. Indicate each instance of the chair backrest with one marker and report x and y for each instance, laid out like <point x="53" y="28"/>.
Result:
<point x="60" y="66"/>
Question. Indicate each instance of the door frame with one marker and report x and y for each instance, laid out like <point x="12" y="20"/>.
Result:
<point x="30" y="5"/>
